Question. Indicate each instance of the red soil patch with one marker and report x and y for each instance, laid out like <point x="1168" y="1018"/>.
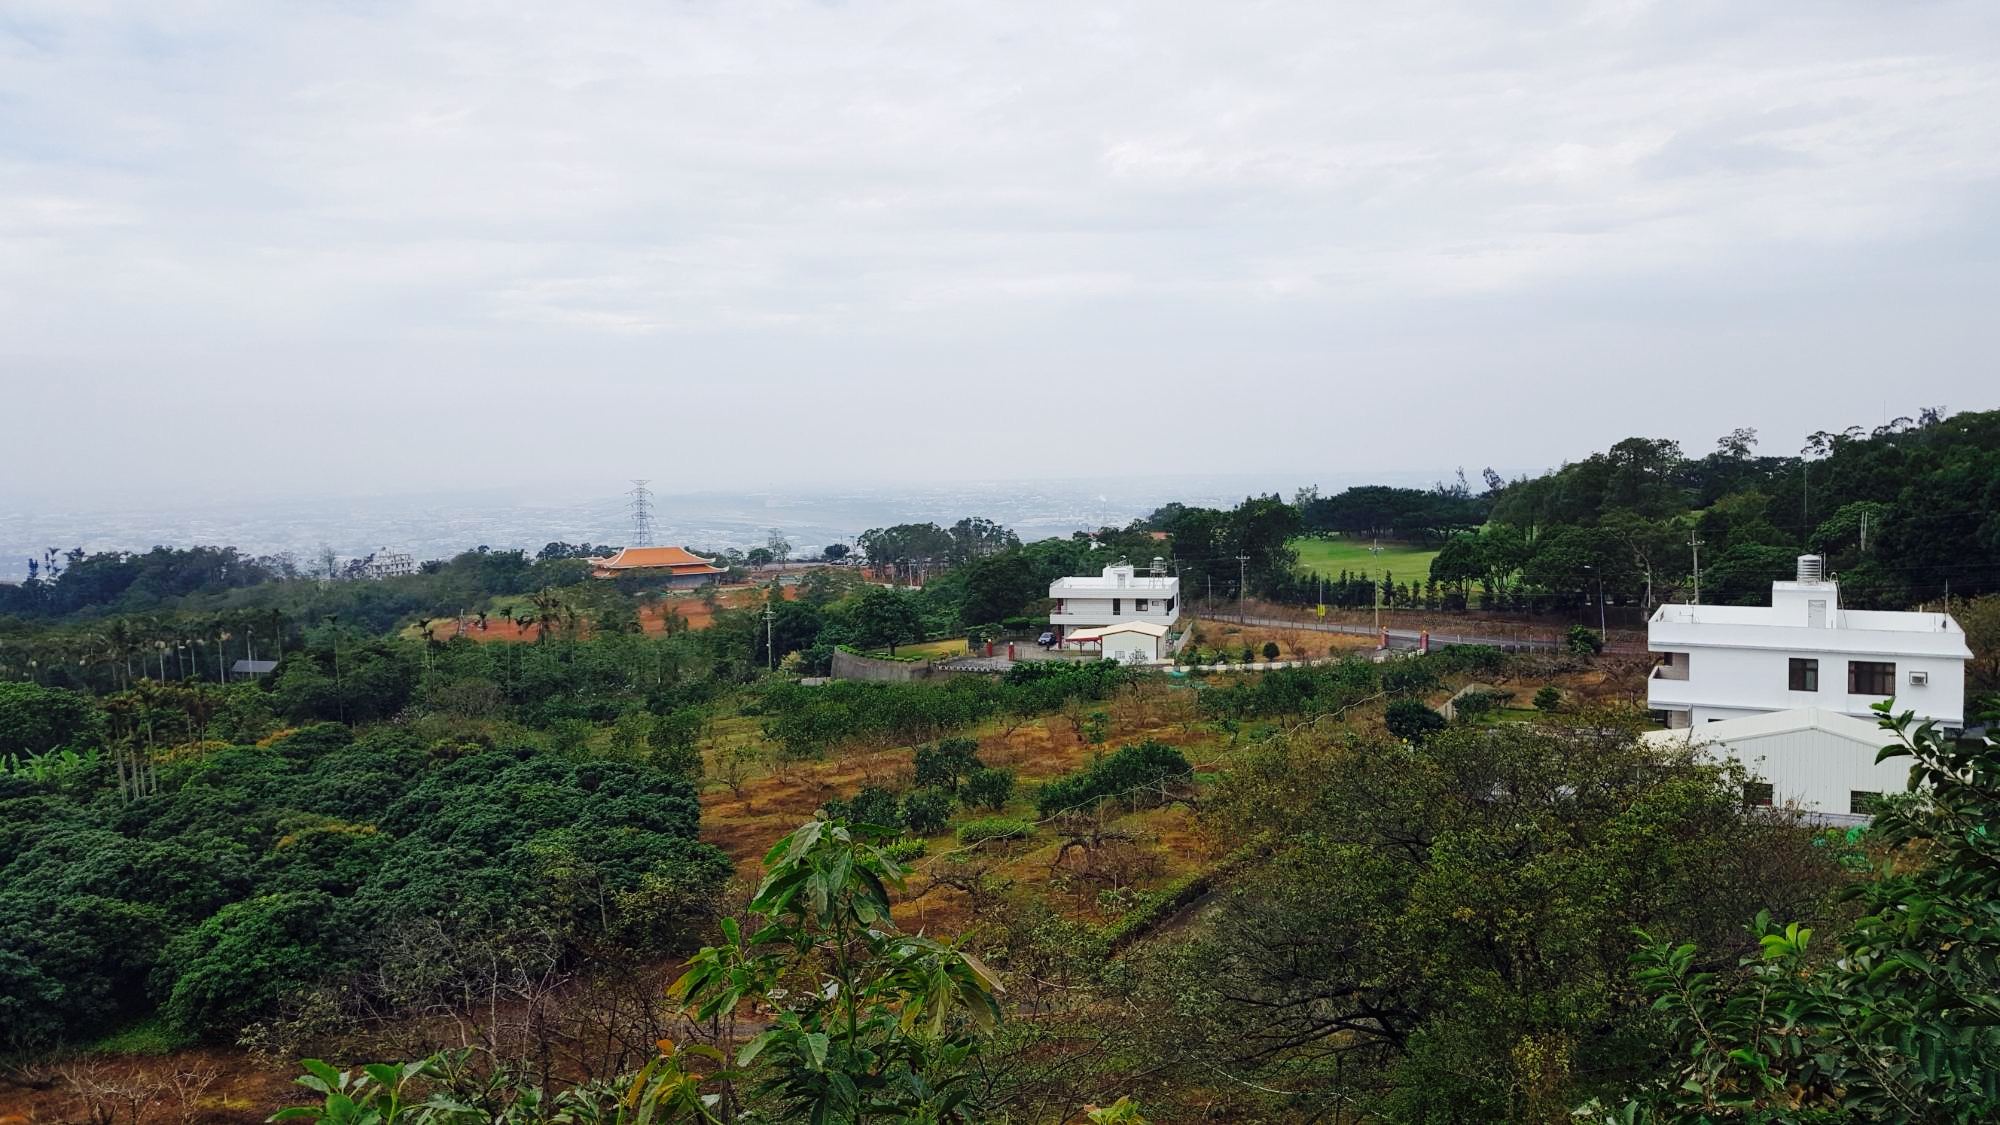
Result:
<point x="690" y="608"/>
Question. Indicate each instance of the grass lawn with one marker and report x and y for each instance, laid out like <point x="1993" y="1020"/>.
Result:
<point x="931" y="650"/>
<point x="1331" y="556"/>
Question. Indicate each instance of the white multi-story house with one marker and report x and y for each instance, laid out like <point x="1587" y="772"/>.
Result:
<point x="390" y="562"/>
<point x="1723" y="662"/>
<point x="1120" y="595"/>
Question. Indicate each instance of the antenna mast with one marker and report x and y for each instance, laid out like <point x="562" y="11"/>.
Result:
<point x="642" y="514"/>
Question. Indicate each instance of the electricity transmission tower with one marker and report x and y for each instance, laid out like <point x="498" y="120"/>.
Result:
<point x="642" y="514"/>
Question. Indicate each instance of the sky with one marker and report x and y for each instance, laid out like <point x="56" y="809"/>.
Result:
<point x="369" y="246"/>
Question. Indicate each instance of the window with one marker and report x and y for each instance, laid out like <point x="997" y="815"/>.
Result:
<point x="1138" y="605"/>
<point x="1116" y="605"/>
<point x="1757" y="793"/>
<point x="1805" y="675"/>
<point x="1860" y="802"/>
<point x="1870" y="677"/>
<point x="1170" y="605"/>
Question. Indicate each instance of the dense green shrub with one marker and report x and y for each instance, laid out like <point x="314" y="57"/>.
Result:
<point x="1133" y="775"/>
<point x="1313" y="690"/>
<point x="1467" y="660"/>
<point x="1410" y="676"/>
<point x="255" y="873"/>
<point x="926" y="811"/>
<point x="1411" y="721"/>
<point x="1550" y="698"/>
<point x="988" y="789"/>
<point x="903" y="851"/>
<point x="871" y="805"/>
<point x="36" y="720"/>
<point x="946" y="765"/>
<point x="1583" y="641"/>
<point x="1471" y="706"/>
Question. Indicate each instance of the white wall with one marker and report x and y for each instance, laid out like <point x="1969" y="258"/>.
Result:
<point x="1097" y="611"/>
<point x="1726" y="682"/>
<point x="1129" y="647"/>
<point x="1817" y="770"/>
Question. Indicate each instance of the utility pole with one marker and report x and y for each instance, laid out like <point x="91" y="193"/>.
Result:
<point x="770" y="625"/>
<point x="1242" y="564"/>
<point x="1805" y="499"/>
<point x="1601" y="630"/>
<point x="1695" y="544"/>
<point x="1864" y="532"/>
<point x="339" y="692"/>
<point x="1376" y="588"/>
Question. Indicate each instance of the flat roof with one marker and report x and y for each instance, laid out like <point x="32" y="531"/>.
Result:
<point x="1871" y="620"/>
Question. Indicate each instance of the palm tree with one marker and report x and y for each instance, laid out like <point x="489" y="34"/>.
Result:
<point x="122" y="641"/>
<point x="548" y="611"/>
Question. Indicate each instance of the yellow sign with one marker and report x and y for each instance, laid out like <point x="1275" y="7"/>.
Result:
<point x="1322" y="609"/>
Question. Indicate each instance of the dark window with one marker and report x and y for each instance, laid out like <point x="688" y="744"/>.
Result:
<point x="1170" y="605"/>
<point x="1870" y="677"/>
<point x="1115" y="604"/>
<point x="1805" y="675"/>
<point x="1860" y="802"/>
<point x="1757" y="793"/>
<point x="1138" y="605"/>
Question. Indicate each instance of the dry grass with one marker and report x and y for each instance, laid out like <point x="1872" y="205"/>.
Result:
<point x="1293" y="644"/>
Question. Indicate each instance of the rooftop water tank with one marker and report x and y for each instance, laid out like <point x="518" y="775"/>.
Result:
<point x="1812" y="569"/>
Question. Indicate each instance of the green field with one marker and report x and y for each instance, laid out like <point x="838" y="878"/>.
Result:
<point x="1331" y="556"/>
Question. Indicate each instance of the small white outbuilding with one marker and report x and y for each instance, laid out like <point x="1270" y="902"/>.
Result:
<point x="1821" y="761"/>
<point x="1129" y="642"/>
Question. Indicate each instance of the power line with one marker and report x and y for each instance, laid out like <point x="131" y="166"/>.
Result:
<point x="642" y="513"/>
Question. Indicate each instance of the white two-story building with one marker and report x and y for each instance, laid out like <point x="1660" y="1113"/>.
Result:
<point x="1803" y="650"/>
<point x="1121" y="595"/>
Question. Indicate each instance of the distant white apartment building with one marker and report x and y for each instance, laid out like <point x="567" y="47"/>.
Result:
<point x="1122" y="594"/>
<point x="1722" y="662"/>
<point x="390" y="562"/>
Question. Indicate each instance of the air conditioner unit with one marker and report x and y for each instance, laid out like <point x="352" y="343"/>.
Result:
<point x="1919" y="679"/>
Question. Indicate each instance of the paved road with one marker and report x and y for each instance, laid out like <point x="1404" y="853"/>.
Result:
<point x="1400" y="640"/>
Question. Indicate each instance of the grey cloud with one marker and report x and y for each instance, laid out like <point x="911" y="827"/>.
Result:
<point x="646" y="230"/>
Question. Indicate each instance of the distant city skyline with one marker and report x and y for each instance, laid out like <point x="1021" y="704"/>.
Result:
<point x="444" y="523"/>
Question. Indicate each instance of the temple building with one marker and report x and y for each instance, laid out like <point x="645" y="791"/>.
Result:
<point x="676" y="567"/>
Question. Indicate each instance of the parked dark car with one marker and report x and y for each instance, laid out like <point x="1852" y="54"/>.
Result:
<point x="1046" y="640"/>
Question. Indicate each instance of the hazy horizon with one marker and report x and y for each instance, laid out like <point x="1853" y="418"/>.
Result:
<point x="439" y="524"/>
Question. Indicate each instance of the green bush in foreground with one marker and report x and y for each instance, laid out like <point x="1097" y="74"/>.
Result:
<point x="1901" y="1023"/>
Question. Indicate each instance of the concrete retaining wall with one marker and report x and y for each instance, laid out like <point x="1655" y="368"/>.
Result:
<point x="853" y="666"/>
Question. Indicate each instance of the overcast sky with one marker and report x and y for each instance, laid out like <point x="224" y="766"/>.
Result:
<point x="358" y="245"/>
